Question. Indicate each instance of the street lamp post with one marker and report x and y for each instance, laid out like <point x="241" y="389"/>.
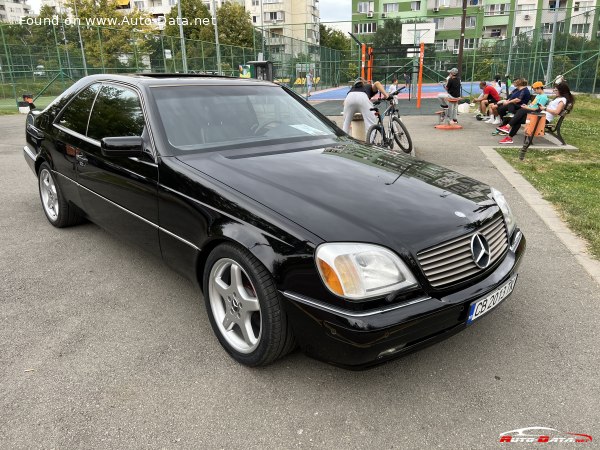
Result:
<point x="80" y="40"/>
<point x="181" y="38"/>
<point x="218" y="47"/>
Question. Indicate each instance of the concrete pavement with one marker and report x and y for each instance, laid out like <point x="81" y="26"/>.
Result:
<point x="102" y="346"/>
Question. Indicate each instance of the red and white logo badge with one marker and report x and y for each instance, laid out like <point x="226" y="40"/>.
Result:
<point x="544" y="435"/>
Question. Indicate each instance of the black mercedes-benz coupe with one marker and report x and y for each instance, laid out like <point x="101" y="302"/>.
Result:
<point x="296" y="233"/>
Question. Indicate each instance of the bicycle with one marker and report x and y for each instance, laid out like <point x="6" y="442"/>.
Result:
<point x="396" y="131"/>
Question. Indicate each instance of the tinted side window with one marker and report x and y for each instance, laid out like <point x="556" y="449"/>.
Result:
<point x="76" y="114"/>
<point x="117" y="112"/>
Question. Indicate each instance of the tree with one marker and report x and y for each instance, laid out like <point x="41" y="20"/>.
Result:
<point x="120" y="47"/>
<point x="196" y="21"/>
<point x="389" y="35"/>
<point x="235" y="25"/>
<point x="335" y="39"/>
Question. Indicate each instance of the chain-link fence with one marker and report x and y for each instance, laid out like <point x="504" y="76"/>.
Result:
<point x="43" y="60"/>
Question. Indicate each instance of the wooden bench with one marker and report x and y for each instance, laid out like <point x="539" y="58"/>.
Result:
<point x="553" y="127"/>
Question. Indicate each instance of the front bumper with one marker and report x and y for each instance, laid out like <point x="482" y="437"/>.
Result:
<point x="360" y="339"/>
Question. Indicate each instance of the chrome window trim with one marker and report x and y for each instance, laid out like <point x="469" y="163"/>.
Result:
<point x="357" y="314"/>
<point x="77" y="135"/>
<point x="159" y="228"/>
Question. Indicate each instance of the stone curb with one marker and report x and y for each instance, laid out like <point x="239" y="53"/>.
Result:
<point x="546" y="212"/>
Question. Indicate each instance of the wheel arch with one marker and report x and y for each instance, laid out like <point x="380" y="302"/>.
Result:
<point x="252" y="239"/>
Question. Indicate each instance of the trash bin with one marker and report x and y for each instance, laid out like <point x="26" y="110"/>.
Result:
<point x="357" y="127"/>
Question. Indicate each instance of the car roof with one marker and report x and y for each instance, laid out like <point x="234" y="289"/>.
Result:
<point x="170" y="79"/>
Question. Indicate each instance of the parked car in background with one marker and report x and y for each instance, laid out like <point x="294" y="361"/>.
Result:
<point x="296" y="233"/>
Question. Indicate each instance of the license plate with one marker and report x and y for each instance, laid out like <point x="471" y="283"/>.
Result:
<point x="480" y="307"/>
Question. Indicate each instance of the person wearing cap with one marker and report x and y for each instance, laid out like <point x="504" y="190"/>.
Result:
<point x="453" y="91"/>
<point x="358" y="100"/>
<point x="538" y="103"/>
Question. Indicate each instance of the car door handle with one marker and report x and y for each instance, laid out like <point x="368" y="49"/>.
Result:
<point x="81" y="158"/>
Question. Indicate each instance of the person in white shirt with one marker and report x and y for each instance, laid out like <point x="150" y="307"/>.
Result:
<point x="562" y="99"/>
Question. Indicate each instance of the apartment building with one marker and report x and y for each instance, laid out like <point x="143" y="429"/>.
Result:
<point x="13" y="10"/>
<point x="285" y="21"/>
<point x="487" y="20"/>
<point x="157" y="8"/>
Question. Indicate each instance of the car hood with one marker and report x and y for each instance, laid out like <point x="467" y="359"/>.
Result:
<point x="350" y="192"/>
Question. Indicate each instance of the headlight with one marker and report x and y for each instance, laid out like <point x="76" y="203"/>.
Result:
<point x="503" y="204"/>
<point x="358" y="271"/>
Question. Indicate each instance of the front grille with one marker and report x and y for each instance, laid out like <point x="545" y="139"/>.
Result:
<point x="452" y="261"/>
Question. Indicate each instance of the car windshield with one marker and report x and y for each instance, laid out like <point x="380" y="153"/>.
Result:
<point x="211" y="117"/>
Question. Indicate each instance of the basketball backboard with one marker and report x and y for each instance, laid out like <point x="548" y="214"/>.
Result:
<point x="415" y="33"/>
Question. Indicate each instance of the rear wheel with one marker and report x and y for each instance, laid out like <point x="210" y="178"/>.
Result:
<point x="375" y="135"/>
<point x="244" y="307"/>
<point x="401" y="135"/>
<point x="57" y="209"/>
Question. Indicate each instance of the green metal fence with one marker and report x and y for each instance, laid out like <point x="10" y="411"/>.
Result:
<point x="43" y="60"/>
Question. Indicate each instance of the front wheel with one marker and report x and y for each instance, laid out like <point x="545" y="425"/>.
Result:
<point x="244" y="307"/>
<point x="401" y="135"/>
<point x="375" y="135"/>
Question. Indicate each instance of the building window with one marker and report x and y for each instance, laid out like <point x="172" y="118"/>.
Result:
<point x="439" y="23"/>
<point x="547" y="27"/>
<point x="253" y="19"/>
<point x="525" y="9"/>
<point x="441" y="45"/>
<point x="497" y="10"/>
<point x="415" y="6"/>
<point x="139" y="4"/>
<point x="495" y="32"/>
<point x="365" y="28"/>
<point x="519" y="30"/>
<point x="255" y="2"/>
<point x="580" y="28"/>
<point x="470" y="44"/>
<point x="365" y="7"/>
<point x="274" y="16"/>
<point x="390" y="7"/>
<point x="471" y="22"/>
<point x="473" y="3"/>
<point x="444" y="3"/>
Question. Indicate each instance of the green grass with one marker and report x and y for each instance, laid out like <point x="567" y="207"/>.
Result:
<point x="9" y="106"/>
<point x="570" y="180"/>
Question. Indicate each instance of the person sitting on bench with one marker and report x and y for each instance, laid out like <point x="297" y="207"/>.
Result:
<point x="512" y="127"/>
<point x="489" y="95"/>
<point x="555" y="107"/>
<point x="520" y="96"/>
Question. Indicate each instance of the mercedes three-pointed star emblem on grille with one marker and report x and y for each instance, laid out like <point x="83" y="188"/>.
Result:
<point x="480" y="250"/>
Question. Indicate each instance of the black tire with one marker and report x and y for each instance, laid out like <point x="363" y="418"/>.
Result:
<point x="229" y="307"/>
<point x="401" y="135"/>
<point x="375" y="135"/>
<point x="57" y="209"/>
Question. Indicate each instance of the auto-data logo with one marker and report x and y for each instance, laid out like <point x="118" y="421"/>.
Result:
<point x="544" y="435"/>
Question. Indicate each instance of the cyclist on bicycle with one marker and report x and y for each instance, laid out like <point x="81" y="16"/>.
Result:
<point x="358" y="100"/>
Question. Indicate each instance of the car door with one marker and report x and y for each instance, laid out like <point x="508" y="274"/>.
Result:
<point x="69" y="136"/>
<point x="120" y="193"/>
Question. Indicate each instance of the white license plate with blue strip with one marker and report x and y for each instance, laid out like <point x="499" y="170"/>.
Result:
<point x="482" y="306"/>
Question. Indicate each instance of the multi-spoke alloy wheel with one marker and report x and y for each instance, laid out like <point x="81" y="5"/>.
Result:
<point x="234" y="305"/>
<point x="244" y="306"/>
<point x="57" y="209"/>
<point x="49" y="195"/>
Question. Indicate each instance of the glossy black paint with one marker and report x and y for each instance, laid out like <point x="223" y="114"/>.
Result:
<point x="279" y="201"/>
